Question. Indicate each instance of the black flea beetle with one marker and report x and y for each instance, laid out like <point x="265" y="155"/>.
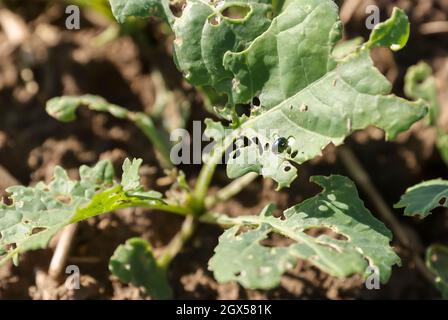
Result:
<point x="280" y="145"/>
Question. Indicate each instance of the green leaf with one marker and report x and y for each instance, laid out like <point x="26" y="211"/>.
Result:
<point x="437" y="262"/>
<point x="393" y="33"/>
<point x="134" y="262"/>
<point x="293" y="53"/>
<point x="420" y="199"/>
<point x="122" y="9"/>
<point x="37" y="213"/>
<point x="442" y="145"/>
<point x="100" y="6"/>
<point x="345" y="48"/>
<point x="361" y="241"/>
<point x="64" y="108"/>
<point x="131" y="178"/>
<point x="307" y="97"/>
<point x="272" y="58"/>
<point x="419" y="83"/>
<point x="348" y="98"/>
<point x="256" y="55"/>
<point x="207" y="31"/>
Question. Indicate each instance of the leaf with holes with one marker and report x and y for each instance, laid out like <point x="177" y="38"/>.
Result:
<point x="437" y="262"/>
<point x="420" y="199"/>
<point x="122" y="9"/>
<point x="37" y="213"/>
<point x="307" y="99"/>
<point x="281" y="59"/>
<point x="360" y="241"/>
<point x="348" y="98"/>
<point x="134" y="262"/>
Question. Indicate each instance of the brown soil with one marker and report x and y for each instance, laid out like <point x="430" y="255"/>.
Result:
<point x="53" y="61"/>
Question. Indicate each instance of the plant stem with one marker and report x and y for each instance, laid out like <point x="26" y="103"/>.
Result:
<point x="204" y="180"/>
<point x="231" y="189"/>
<point x="63" y="108"/>
<point x="176" y="244"/>
<point x="8" y="256"/>
<point x="62" y="250"/>
<point x="207" y="171"/>
<point x="146" y="125"/>
<point x="171" y="208"/>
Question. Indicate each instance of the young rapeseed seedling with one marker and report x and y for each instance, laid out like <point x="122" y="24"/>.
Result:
<point x="283" y="55"/>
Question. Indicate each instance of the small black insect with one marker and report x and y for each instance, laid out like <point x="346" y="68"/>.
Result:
<point x="280" y="145"/>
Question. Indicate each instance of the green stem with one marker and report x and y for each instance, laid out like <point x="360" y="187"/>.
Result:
<point x="204" y="180"/>
<point x="171" y="208"/>
<point x="207" y="171"/>
<point x="176" y="244"/>
<point x="8" y="256"/>
<point x="146" y="125"/>
<point x="64" y="108"/>
<point x="232" y="189"/>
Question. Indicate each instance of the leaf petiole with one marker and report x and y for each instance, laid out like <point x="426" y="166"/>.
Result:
<point x="176" y="243"/>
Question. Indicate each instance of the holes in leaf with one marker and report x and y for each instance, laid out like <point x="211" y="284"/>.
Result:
<point x="243" y="142"/>
<point x="318" y="231"/>
<point x="36" y="230"/>
<point x="11" y="246"/>
<point x="258" y="143"/>
<point x="7" y="200"/>
<point x="243" y="110"/>
<point x="177" y="8"/>
<point x="287" y="168"/>
<point x="236" y="12"/>
<point x="236" y="154"/>
<point x="256" y="102"/>
<point x="228" y="154"/>
<point x="214" y="20"/>
<point x="241" y="230"/>
<point x="247" y="141"/>
<point x="276" y="240"/>
<point x="294" y="153"/>
<point x="303" y="108"/>
<point x="266" y="146"/>
<point x="256" y="140"/>
<point x="442" y="201"/>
